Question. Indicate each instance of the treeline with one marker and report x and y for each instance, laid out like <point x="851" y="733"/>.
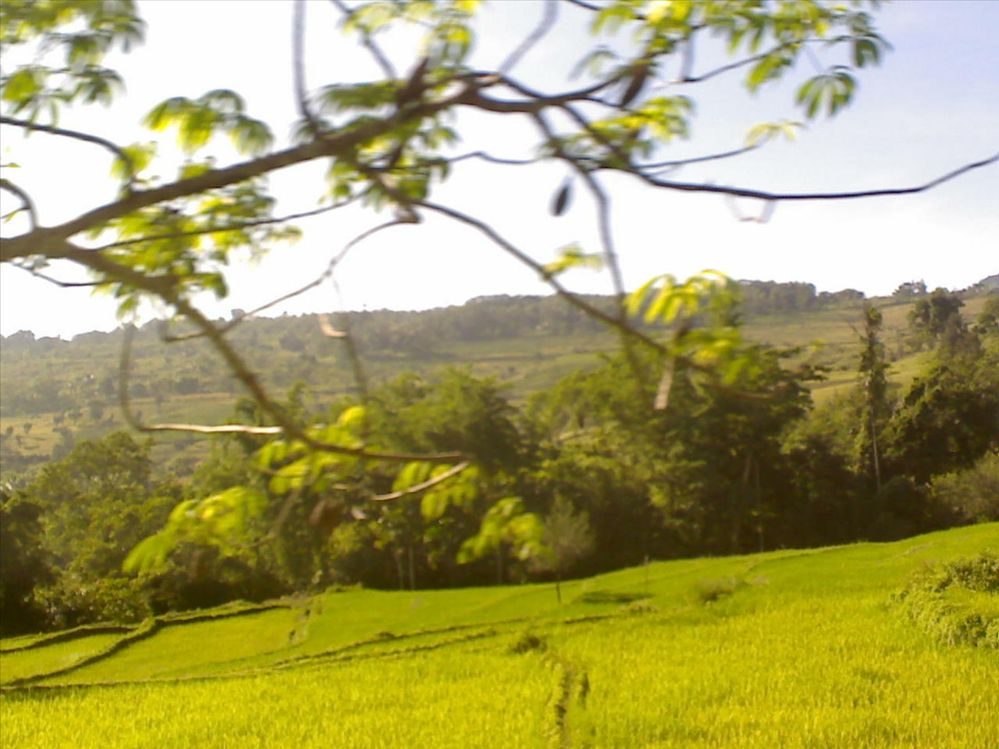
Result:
<point x="729" y="465"/>
<point x="52" y="376"/>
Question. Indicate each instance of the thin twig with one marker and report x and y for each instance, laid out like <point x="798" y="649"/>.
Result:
<point x="490" y="158"/>
<point x="423" y="486"/>
<point x="26" y="203"/>
<point x="606" y="241"/>
<point x="75" y="135"/>
<point x="298" y="68"/>
<point x="369" y="43"/>
<point x="576" y="301"/>
<point x="674" y="163"/>
<point x="548" y="18"/>
<point x="741" y="192"/>
<point x="228" y="227"/>
<point x="56" y="281"/>
<point x="327" y="273"/>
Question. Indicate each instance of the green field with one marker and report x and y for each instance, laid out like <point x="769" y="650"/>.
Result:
<point x="783" y="649"/>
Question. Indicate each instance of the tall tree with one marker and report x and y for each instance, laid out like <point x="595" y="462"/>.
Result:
<point x="873" y="371"/>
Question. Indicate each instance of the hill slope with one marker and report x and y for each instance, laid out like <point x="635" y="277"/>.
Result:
<point x="56" y="393"/>
<point x="783" y="649"/>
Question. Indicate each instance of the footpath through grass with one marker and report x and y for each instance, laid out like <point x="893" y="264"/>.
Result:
<point x="791" y="649"/>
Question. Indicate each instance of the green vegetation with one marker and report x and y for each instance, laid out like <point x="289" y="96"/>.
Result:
<point x="789" y="649"/>
<point x="628" y="460"/>
<point x="356" y="453"/>
<point x="529" y="344"/>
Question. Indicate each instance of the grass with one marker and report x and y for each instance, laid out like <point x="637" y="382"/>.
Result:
<point x="796" y="649"/>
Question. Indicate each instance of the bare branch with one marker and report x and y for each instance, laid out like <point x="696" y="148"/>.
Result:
<point x="676" y="163"/>
<point x="576" y="301"/>
<point x="55" y="281"/>
<point x="75" y="135"/>
<point x="582" y="4"/>
<point x="742" y="192"/>
<point x="423" y="486"/>
<point x="26" y="203"/>
<point x="606" y="241"/>
<point x="298" y="68"/>
<point x="327" y="273"/>
<point x="549" y="15"/>
<point x="493" y="159"/>
<point x="229" y="227"/>
<point x="687" y="58"/>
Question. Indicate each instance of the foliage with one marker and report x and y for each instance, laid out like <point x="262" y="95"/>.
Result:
<point x="567" y="538"/>
<point x="973" y="492"/>
<point x="23" y="563"/>
<point x="957" y="602"/>
<point x="703" y="469"/>
<point x="933" y="318"/>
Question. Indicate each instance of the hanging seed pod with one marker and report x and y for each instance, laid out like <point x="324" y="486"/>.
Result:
<point x="561" y="201"/>
<point x="638" y="78"/>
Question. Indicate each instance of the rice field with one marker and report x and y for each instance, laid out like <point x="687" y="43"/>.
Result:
<point x="790" y="649"/>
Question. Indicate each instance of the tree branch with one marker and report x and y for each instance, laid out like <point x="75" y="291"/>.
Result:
<point x="606" y="241"/>
<point x="743" y="192"/>
<point x="228" y="227"/>
<point x="117" y="150"/>
<point x="423" y="486"/>
<point x="548" y="18"/>
<point x="26" y="203"/>
<point x="576" y="301"/>
<point x="298" y="68"/>
<point x="56" y="281"/>
<point x="337" y="144"/>
<point x="327" y="273"/>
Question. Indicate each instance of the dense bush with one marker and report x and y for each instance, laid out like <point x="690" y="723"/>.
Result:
<point x="973" y="492"/>
<point x="958" y="602"/>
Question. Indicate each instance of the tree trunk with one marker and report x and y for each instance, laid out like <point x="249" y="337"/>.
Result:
<point x="874" y="453"/>
<point x="412" y="573"/>
<point x="399" y="570"/>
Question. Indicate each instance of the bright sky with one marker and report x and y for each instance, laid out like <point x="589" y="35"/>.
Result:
<point x="932" y="106"/>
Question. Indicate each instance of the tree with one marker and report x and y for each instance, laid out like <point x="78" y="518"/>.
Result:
<point x="873" y="371"/>
<point x="24" y="563"/>
<point x="936" y="317"/>
<point x="566" y="539"/>
<point x="91" y="507"/>
<point x="389" y="143"/>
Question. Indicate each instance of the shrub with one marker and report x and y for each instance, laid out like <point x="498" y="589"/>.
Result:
<point x="972" y="493"/>
<point x="958" y="602"/>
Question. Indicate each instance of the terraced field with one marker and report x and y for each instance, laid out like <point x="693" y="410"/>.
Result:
<point x="795" y="649"/>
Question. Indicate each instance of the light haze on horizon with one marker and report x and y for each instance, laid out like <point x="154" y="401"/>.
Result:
<point x="932" y="105"/>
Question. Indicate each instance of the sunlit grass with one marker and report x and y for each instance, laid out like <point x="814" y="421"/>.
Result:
<point x="799" y="649"/>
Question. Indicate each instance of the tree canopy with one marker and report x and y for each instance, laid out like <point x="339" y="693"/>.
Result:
<point x="388" y="144"/>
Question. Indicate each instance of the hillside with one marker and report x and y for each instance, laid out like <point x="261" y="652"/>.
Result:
<point x="787" y="649"/>
<point x="56" y="393"/>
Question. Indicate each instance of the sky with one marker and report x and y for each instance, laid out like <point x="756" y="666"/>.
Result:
<point x="932" y="106"/>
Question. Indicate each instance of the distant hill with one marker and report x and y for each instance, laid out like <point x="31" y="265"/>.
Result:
<point x="56" y="392"/>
